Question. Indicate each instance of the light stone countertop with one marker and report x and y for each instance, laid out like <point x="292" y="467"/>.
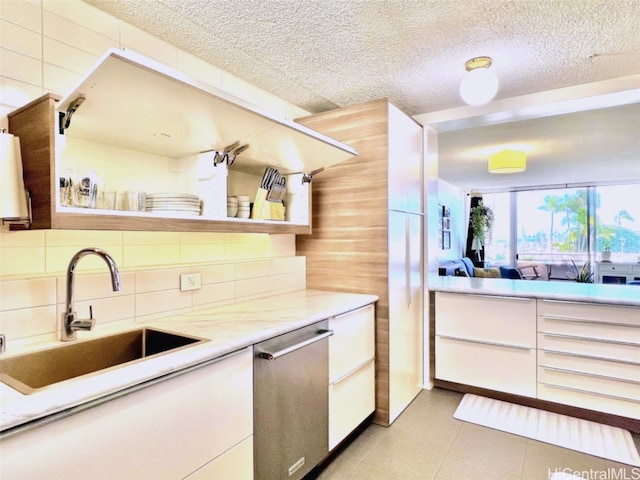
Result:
<point x="228" y="328"/>
<point x="625" y="295"/>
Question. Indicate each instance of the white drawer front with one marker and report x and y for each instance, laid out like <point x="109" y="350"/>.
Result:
<point x="351" y="401"/>
<point x="590" y="329"/>
<point x="505" y="369"/>
<point x="593" y="348"/>
<point x="353" y="341"/>
<point x="235" y="464"/>
<point x="584" y="364"/>
<point x="591" y="401"/>
<point x="611" y="387"/>
<point x="608" y="268"/>
<point x="590" y="311"/>
<point x="497" y="319"/>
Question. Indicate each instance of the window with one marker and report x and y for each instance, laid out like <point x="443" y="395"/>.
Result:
<point x="552" y="228"/>
<point x="618" y="222"/>
<point x="497" y="248"/>
<point x="558" y="226"/>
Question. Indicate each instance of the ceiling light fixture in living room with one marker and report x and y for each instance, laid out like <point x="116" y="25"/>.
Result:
<point x="507" y="161"/>
<point x="480" y="85"/>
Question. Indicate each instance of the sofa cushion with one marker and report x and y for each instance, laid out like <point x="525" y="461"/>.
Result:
<point x="510" y="272"/>
<point x="468" y="265"/>
<point x="486" y="272"/>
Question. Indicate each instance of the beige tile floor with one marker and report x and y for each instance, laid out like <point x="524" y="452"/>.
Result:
<point x="427" y="443"/>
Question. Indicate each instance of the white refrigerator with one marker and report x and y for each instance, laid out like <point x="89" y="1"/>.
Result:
<point x="405" y="254"/>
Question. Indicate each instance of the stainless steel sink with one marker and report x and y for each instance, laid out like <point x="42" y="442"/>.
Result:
<point x="35" y="371"/>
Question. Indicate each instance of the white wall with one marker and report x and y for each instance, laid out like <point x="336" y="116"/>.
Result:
<point x="453" y="198"/>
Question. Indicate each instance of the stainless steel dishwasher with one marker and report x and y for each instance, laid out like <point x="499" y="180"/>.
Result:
<point x="291" y="403"/>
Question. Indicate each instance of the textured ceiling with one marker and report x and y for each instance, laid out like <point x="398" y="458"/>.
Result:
<point x="321" y="54"/>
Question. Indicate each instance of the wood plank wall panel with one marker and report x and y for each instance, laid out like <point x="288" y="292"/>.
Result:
<point x="34" y="125"/>
<point x="347" y="250"/>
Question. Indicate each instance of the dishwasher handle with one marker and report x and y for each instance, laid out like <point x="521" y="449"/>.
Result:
<point x="271" y="356"/>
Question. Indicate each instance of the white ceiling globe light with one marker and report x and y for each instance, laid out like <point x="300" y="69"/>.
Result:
<point x="480" y="85"/>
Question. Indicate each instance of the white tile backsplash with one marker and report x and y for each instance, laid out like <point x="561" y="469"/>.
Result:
<point x="25" y="14"/>
<point x="20" y="40"/>
<point x="67" y="57"/>
<point x="20" y="67"/>
<point x="98" y="21"/>
<point x="28" y="322"/>
<point x="25" y="260"/>
<point x="15" y="93"/>
<point x="75" y="34"/>
<point x="58" y="80"/>
<point x="159" y="280"/>
<point x="18" y="294"/>
<point x="30" y="309"/>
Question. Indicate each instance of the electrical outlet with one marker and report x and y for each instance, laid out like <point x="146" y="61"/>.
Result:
<point x="190" y="281"/>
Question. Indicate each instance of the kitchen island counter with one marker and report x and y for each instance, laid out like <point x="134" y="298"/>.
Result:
<point x="227" y="328"/>
<point x="623" y="295"/>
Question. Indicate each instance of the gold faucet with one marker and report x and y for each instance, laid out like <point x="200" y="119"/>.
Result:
<point x="71" y="324"/>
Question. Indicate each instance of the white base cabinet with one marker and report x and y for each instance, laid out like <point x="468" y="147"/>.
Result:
<point x="164" y="431"/>
<point x="589" y="356"/>
<point x="581" y="354"/>
<point x="351" y="372"/>
<point x="487" y="342"/>
<point x="236" y="464"/>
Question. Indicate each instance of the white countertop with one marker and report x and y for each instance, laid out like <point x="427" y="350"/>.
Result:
<point x="628" y="295"/>
<point x="228" y="328"/>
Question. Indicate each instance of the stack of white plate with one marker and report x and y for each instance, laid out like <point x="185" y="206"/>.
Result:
<point x="174" y="203"/>
<point x="244" y="209"/>
<point x="232" y="206"/>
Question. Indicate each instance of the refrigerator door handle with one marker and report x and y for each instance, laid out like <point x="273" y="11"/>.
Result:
<point x="407" y="259"/>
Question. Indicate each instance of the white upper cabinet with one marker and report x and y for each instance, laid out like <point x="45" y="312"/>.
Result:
<point x="136" y="103"/>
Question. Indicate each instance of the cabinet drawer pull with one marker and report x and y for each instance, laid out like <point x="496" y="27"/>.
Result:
<point x="592" y="375"/>
<point x="563" y="302"/>
<point x="353" y="370"/>
<point x="271" y="356"/>
<point x="504" y="297"/>
<point x="345" y="314"/>
<point x="588" y="357"/>
<point x="589" y="392"/>
<point x="592" y="322"/>
<point x="590" y="339"/>
<point x="484" y="342"/>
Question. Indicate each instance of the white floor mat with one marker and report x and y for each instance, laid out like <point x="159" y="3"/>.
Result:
<point x="582" y="435"/>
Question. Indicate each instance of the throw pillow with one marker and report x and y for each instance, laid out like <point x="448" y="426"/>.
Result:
<point x="486" y="272"/>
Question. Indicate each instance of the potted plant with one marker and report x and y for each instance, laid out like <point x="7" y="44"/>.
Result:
<point x="480" y="221"/>
<point x="605" y="254"/>
<point x="582" y="274"/>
